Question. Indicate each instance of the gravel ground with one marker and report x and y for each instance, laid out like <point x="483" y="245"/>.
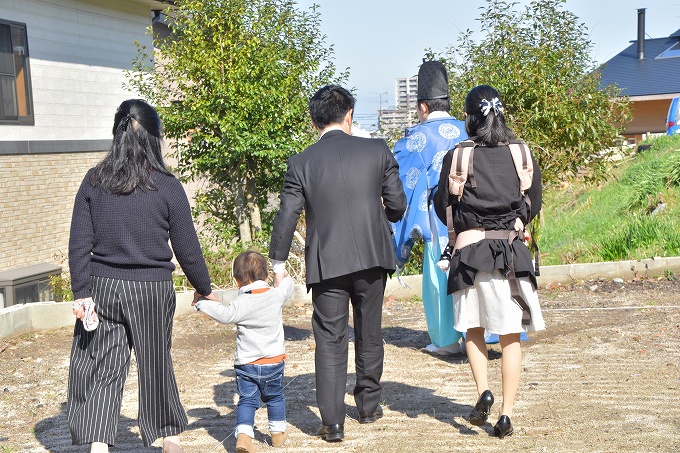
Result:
<point x="604" y="377"/>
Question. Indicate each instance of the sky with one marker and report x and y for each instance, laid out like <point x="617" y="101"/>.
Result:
<point x="381" y="40"/>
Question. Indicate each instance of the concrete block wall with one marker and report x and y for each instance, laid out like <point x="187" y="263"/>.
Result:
<point x="21" y="319"/>
<point x="36" y="202"/>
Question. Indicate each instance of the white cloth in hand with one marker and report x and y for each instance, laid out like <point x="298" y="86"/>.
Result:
<point x="90" y="320"/>
<point x="443" y="265"/>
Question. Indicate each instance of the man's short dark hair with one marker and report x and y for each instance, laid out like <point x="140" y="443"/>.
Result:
<point x="437" y="105"/>
<point x="250" y="266"/>
<point x="329" y="105"/>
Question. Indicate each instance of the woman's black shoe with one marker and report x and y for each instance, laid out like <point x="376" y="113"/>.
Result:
<point x="482" y="409"/>
<point x="503" y="427"/>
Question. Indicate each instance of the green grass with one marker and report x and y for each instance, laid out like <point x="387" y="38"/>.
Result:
<point x="616" y="220"/>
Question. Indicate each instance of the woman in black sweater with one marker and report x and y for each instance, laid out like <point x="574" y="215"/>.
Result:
<point x="127" y="209"/>
<point x="490" y="256"/>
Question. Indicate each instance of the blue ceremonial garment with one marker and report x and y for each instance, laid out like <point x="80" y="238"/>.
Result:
<point x="420" y="154"/>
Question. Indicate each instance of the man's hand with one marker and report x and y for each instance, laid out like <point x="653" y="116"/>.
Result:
<point x="278" y="277"/>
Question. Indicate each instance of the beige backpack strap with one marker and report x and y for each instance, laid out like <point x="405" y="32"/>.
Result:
<point x="449" y="225"/>
<point x="523" y="164"/>
<point x="525" y="172"/>
<point x="461" y="168"/>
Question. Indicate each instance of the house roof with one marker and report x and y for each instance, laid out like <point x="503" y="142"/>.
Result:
<point x="655" y="76"/>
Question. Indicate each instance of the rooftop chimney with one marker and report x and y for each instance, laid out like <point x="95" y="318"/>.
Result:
<point x="641" y="34"/>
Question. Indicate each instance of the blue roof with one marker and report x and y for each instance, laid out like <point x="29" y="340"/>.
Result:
<point x="649" y="76"/>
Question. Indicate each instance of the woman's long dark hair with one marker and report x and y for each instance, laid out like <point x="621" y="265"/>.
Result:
<point x="485" y="120"/>
<point x="135" y="151"/>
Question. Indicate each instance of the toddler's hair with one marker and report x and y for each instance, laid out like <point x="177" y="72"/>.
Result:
<point x="250" y="266"/>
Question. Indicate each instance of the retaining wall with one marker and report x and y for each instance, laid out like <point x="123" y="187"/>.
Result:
<point x="21" y="319"/>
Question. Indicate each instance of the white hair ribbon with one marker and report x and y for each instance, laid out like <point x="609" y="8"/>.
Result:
<point x="494" y="104"/>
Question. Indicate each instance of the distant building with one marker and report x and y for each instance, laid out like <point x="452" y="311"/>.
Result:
<point x="403" y="114"/>
<point x="391" y="119"/>
<point x="405" y="92"/>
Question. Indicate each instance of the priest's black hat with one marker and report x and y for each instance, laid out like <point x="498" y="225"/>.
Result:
<point x="433" y="81"/>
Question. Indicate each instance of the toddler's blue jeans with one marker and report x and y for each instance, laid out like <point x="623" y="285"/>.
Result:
<point x="257" y="383"/>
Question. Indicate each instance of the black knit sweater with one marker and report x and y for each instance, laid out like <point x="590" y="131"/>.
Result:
<point x="126" y="236"/>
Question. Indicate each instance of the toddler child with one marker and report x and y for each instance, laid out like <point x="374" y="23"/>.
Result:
<point x="260" y="355"/>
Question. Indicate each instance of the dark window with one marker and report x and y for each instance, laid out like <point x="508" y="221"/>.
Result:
<point x="16" y="103"/>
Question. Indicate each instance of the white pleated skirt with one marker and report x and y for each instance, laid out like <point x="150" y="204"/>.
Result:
<point x="488" y="304"/>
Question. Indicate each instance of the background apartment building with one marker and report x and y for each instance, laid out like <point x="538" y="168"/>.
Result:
<point x="403" y="114"/>
<point x="405" y="93"/>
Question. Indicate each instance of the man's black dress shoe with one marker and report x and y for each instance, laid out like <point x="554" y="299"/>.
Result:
<point x="372" y="417"/>
<point x="332" y="433"/>
<point x="503" y="427"/>
<point x="482" y="409"/>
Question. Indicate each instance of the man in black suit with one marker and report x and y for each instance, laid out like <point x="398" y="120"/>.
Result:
<point x="349" y="188"/>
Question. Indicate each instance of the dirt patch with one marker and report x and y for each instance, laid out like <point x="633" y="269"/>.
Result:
<point x="603" y="377"/>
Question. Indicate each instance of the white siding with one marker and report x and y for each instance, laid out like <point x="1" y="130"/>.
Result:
<point x="79" y="50"/>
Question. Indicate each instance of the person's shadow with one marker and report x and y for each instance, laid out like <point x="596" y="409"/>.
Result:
<point x="404" y="337"/>
<point x="53" y="434"/>
<point x="299" y="393"/>
<point x="412" y="401"/>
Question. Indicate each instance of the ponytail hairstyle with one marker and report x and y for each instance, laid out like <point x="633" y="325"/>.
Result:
<point x="485" y="120"/>
<point x="135" y="152"/>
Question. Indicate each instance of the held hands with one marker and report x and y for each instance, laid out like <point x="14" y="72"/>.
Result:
<point x="278" y="277"/>
<point x="210" y="296"/>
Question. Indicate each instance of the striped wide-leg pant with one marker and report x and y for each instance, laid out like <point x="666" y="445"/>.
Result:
<point x="132" y="315"/>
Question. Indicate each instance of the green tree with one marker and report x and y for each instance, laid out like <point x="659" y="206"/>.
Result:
<point x="538" y="58"/>
<point x="231" y="82"/>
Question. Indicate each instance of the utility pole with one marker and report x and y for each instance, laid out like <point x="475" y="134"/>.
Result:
<point x="380" y="108"/>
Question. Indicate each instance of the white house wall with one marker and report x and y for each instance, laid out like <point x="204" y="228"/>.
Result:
<point x="78" y="50"/>
<point x="78" y="53"/>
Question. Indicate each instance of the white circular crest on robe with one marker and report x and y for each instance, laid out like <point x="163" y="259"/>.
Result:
<point x="416" y="142"/>
<point x="412" y="177"/>
<point x="416" y="232"/>
<point x="422" y="201"/>
<point x="437" y="161"/>
<point x="405" y="250"/>
<point x="449" y="131"/>
<point x="443" y="242"/>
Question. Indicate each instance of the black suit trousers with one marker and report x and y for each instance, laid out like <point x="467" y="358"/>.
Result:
<point x="365" y="289"/>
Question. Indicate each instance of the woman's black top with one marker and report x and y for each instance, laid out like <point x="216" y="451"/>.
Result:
<point x="493" y="204"/>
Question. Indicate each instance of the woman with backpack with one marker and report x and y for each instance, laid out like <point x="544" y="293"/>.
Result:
<point x="491" y="274"/>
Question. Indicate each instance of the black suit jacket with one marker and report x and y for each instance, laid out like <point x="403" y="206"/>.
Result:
<point x="350" y="188"/>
